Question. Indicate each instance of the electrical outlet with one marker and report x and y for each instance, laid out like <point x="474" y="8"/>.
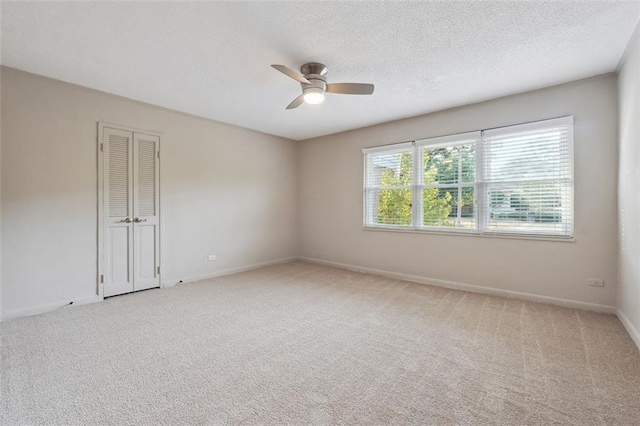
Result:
<point x="595" y="282"/>
<point x="212" y="257"/>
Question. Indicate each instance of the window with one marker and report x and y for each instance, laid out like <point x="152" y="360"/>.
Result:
<point x="447" y="181"/>
<point x="389" y="189"/>
<point x="514" y="180"/>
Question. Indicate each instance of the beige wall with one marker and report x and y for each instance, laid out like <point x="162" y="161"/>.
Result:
<point x="234" y="193"/>
<point x="224" y="190"/>
<point x="629" y="189"/>
<point x="330" y="203"/>
<point x="0" y="193"/>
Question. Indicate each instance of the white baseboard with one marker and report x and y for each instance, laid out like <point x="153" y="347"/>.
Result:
<point x="40" y="309"/>
<point x="468" y="287"/>
<point x="635" y="336"/>
<point x="394" y="275"/>
<point x="231" y="271"/>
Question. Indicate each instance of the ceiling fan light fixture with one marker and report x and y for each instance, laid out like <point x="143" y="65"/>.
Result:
<point x="313" y="95"/>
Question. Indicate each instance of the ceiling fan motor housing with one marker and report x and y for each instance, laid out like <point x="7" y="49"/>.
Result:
<point x="315" y="73"/>
<point x="313" y="68"/>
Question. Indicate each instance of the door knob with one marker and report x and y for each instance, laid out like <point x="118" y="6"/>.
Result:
<point x="127" y="220"/>
<point x="138" y="220"/>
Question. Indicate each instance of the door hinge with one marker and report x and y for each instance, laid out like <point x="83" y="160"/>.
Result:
<point x="101" y="147"/>
<point x="158" y="155"/>
<point x="101" y="279"/>
<point x="158" y="270"/>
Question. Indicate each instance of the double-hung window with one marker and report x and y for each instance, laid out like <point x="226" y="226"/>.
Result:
<point x="515" y="180"/>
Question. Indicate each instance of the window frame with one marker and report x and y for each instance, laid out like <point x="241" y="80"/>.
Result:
<point x="481" y="208"/>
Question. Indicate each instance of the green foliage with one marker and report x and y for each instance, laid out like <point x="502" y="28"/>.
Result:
<point x="395" y="205"/>
<point x="437" y="202"/>
<point x="497" y="199"/>
<point x="519" y="203"/>
<point x="447" y="163"/>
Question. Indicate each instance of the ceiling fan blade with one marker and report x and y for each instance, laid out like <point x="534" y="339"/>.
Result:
<point x="294" y="75"/>
<point x="350" y="88"/>
<point x="296" y="102"/>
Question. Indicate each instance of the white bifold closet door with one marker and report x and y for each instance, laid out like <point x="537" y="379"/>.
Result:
<point x="131" y="216"/>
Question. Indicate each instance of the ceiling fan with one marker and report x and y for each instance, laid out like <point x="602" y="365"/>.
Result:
<point x="314" y="84"/>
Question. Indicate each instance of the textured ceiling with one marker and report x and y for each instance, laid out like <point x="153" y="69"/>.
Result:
<point x="213" y="59"/>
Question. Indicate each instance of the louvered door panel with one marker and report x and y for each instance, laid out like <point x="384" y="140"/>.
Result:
<point x="119" y="175"/>
<point x="146" y="177"/>
<point x="146" y="208"/>
<point x="118" y="200"/>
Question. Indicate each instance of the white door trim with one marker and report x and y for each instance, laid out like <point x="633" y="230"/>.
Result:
<point x="101" y="201"/>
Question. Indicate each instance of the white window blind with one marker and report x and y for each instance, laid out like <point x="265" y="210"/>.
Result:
<point x="515" y="180"/>
<point x="528" y="177"/>
<point x="389" y="186"/>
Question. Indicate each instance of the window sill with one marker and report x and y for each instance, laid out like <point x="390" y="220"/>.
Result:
<point x="470" y="233"/>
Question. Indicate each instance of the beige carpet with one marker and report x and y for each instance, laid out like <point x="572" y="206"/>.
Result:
<point x="306" y="344"/>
